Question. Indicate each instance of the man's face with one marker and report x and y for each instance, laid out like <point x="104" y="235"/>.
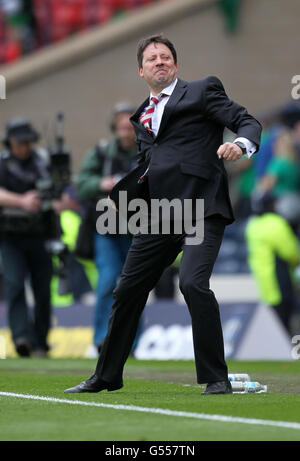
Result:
<point x="158" y="66"/>
<point x="124" y="131"/>
<point x="21" y="149"/>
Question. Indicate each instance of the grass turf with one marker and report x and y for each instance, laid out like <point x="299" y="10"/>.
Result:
<point x="148" y="384"/>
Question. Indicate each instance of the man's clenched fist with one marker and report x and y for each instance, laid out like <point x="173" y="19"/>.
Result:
<point x="230" y="151"/>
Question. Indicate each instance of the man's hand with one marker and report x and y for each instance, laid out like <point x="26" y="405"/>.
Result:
<point x="30" y="201"/>
<point x="229" y="151"/>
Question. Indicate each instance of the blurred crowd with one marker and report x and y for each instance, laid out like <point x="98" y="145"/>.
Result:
<point x="26" y="25"/>
<point x="265" y="238"/>
<point x="52" y="237"/>
<point x="275" y="168"/>
<point x="49" y="245"/>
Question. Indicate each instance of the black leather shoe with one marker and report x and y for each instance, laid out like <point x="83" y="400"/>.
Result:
<point x="220" y="387"/>
<point x="23" y="347"/>
<point x="92" y="384"/>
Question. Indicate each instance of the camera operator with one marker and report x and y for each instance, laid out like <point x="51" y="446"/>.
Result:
<point x="24" y="229"/>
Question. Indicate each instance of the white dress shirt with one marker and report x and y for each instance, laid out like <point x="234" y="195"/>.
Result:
<point x="159" y="110"/>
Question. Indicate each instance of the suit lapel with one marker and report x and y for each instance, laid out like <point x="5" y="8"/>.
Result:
<point x="140" y="130"/>
<point x="175" y="97"/>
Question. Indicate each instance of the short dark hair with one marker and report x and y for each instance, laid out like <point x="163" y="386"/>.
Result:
<point x="154" y="39"/>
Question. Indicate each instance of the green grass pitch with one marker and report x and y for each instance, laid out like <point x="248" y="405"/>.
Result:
<point x="149" y="384"/>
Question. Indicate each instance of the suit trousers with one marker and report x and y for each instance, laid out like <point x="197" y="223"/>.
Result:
<point x="146" y="260"/>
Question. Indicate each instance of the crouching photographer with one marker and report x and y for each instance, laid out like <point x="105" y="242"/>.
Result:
<point x="27" y="224"/>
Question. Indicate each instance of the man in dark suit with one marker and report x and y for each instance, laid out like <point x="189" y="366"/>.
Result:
<point x="179" y="133"/>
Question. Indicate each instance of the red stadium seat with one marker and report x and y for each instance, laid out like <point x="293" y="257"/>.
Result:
<point x="56" y="20"/>
<point x="10" y="49"/>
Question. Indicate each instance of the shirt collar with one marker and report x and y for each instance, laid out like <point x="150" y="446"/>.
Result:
<point x="169" y="89"/>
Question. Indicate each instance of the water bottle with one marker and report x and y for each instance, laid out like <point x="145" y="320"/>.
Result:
<point x="254" y="386"/>
<point x="248" y="387"/>
<point x="238" y="377"/>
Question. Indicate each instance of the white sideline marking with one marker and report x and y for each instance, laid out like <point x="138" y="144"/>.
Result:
<point x="161" y="411"/>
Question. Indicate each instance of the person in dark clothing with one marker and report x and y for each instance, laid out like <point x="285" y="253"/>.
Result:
<point x="24" y="230"/>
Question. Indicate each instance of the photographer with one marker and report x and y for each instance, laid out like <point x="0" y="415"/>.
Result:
<point x="25" y="227"/>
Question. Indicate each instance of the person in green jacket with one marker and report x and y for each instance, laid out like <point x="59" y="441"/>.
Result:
<point x="283" y="172"/>
<point x="102" y="168"/>
<point x="273" y="254"/>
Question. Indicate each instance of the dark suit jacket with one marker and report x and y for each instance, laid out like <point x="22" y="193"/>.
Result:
<point x="182" y="157"/>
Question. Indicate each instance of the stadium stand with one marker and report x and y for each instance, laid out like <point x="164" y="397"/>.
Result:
<point x="26" y="25"/>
